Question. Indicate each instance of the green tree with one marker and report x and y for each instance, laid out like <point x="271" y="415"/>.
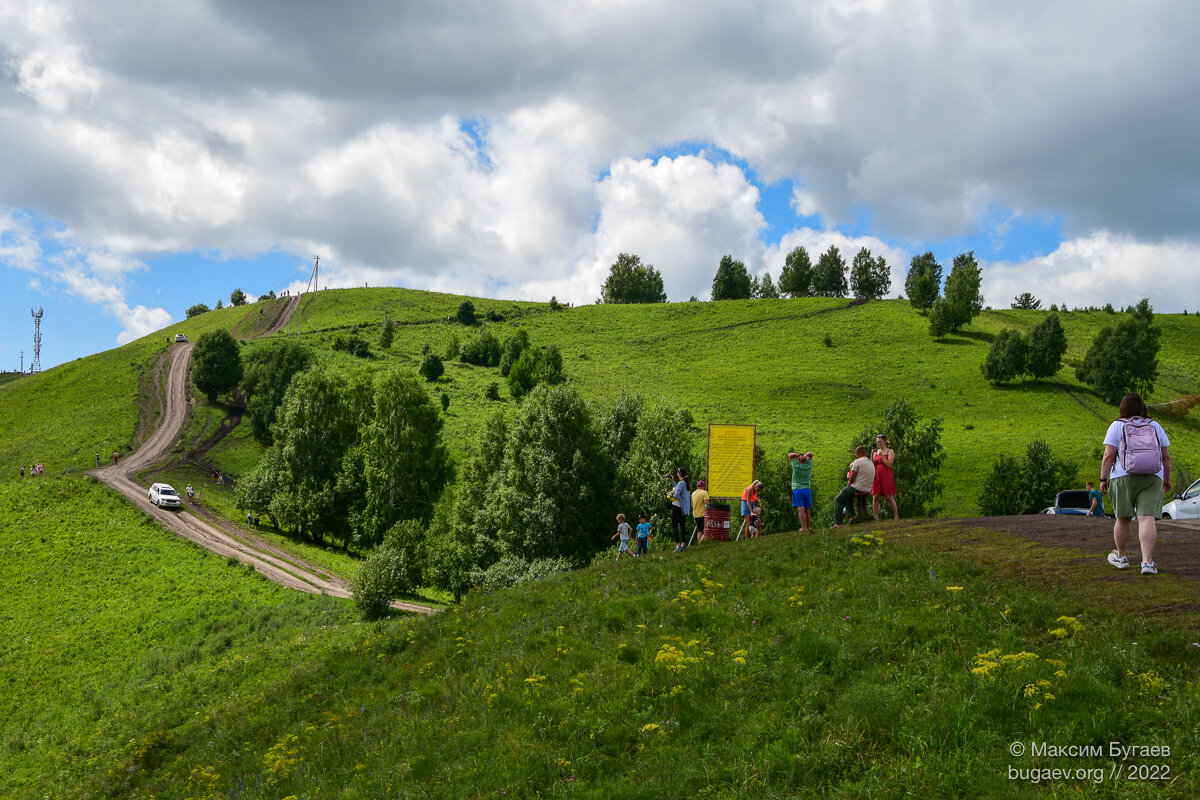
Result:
<point x="1042" y="476"/>
<point x="405" y="463"/>
<point x="237" y="298"/>
<point x="387" y="332"/>
<point x="631" y="281"/>
<point x="431" y="367"/>
<point x="466" y="312"/>
<point x="216" y="364"/>
<point x="924" y="282"/>
<point x="919" y="457"/>
<point x="1123" y="358"/>
<point x="483" y="351"/>
<point x="1007" y="358"/>
<point x="219" y="305"/>
<point x="552" y="365"/>
<point x="270" y="367"/>
<point x="196" y="310"/>
<point x="795" y="280"/>
<point x="452" y="347"/>
<point x="662" y="442"/>
<point x="1047" y="346"/>
<point x="767" y="289"/>
<point x="1026" y="301"/>
<point x="618" y="426"/>
<point x="391" y="570"/>
<point x="940" y="318"/>
<point x="829" y="276"/>
<point x="511" y="350"/>
<point x="963" y="299"/>
<point x="755" y="288"/>
<point x="731" y="282"/>
<point x="870" y="278"/>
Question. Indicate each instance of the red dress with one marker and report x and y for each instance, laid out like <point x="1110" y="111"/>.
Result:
<point x="885" y="482"/>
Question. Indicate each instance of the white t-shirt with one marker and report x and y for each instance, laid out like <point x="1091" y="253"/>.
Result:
<point x="1113" y="438"/>
<point x="623" y="529"/>
<point x="864" y="474"/>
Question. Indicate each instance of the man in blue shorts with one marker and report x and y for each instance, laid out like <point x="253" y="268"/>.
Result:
<point x="802" y="487"/>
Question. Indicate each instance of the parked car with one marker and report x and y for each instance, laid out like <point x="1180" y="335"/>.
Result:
<point x="181" y="337"/>
<point x="163" y="496"/>
<point x="1186" y="504"/>
<point x="1071" y="501"/>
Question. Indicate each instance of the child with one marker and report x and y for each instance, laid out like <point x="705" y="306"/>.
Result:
<point x="622" y="531"/>
<point x="755" y="520"/>
<point x="644" y="531"/>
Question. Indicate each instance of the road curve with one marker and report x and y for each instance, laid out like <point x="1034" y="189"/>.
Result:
<point x="271" y="562"/>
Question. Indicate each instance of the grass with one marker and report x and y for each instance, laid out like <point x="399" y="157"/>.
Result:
<point x="832" y="664"/>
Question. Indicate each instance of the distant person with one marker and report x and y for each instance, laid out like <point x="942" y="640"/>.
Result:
<point x="681" y="508"/>
<point x="97" y="461"/>
<point x="256" y="522"/>
<point x="191" y="493"/>
<point x="250" y="519"/>
<point x="749" y="498"/>
<point x="754" y="530"/>
<point x="1095" y="501"/>
<point x="22" y="470"/>
<point x="644" y="531"/>
<point x="116" y="458"/>
<point x="858" y="484"/>
<point x="699" y="504"/>
<point x="802" y="487"/>
<point x="1137" y="464"/>
<point x="884" y="484"/>
<point x="623" y="531"/>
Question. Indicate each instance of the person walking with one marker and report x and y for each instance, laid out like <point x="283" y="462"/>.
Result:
<point x="1095" y="500"/>
<point x="884" y="484"/>
<point x="802" y="488"/>
<point x="97" y="461"/>
<point x="858" y="482"/>
<point x="116" y="458"/>
<point x="681" y="508"/>
<point x="1136" y="471"/>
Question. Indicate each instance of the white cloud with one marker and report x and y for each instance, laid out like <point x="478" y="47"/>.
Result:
<point x="1099" y="269"/>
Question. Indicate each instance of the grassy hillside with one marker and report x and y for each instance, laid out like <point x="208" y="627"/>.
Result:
<point x="901" y="661"/>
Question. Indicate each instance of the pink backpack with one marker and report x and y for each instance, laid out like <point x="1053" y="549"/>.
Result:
<point x="1140" y="452"/>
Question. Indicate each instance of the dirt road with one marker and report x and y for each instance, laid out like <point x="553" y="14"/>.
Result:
<point x="271" y="562"/>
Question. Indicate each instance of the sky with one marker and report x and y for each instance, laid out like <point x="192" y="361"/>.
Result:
<point x="157" y="155"/>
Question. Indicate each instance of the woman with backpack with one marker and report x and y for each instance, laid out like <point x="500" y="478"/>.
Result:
<point x="1136" y="471"/>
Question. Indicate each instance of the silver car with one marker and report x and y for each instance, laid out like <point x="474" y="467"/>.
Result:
<point x="163" y="496"/>
<point x="1186" y="504"/>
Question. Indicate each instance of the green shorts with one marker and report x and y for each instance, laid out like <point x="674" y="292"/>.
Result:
<point x="1142" y="494"/>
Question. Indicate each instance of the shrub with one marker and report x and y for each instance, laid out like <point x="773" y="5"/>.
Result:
<point x="445" y="402"/>
<point x="512" y="570"/>
<point x="385" y="574"/>
<point x="466" y="312"/>
<point x="431" y="367"/>
<point x="1125" y="358"/>
<point x="452" y="348"/>
<point x="1027" y="485"/>
<point x="197" y="309"/>
<point x="1007" y="357"/>
<point x="353" y="344"/>
<point x="387" y="333"/>
<point x="484" y="351"/>
<point x="494" y="316"/>
<point x="493" y="391"/>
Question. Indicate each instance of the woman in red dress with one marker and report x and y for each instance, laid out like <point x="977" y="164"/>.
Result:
<point x="885" y="483"/>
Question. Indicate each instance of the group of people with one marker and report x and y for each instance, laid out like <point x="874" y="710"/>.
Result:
<point x="34" y="470"/>
<point x="867" y="477"/>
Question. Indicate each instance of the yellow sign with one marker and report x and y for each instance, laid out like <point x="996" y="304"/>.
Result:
<point x="730" y="459"/>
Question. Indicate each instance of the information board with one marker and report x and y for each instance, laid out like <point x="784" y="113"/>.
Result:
<point x="730" y="459"/>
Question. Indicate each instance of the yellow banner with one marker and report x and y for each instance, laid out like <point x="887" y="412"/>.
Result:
<point x="730" y="459"/>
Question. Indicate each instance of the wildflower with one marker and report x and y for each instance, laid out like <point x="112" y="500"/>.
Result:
<point x="954" y="588"/>
<point x="651" y="726"/>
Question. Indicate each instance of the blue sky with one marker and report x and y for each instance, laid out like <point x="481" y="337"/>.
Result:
<point x="163" y="156"/>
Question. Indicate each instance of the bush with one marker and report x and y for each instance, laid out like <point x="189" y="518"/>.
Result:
<point x="492" y="392"/>
<point x="452" y="349"/>
<point x="466" y="312"/>
<point x="387" y="333"/>
<point x="431" y="367"/>
<point x="513" y="570"/>
<point x="197" y="309"/>
<point x="445" y="402"/>
<point x="484" y="351"/>
<point x="353" y="344"/>
<point x="494" y="316"/>
<point x="1007" y="357"/>
<point x="919" y="457"/>
<point x="1028" y="485"/>
<point x="1047" y="345"/>
<point x="385" y="574"/>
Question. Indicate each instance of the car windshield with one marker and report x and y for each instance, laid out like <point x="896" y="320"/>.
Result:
<point x="166" y="490"/>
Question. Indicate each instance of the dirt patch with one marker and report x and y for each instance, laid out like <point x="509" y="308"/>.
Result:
<point x="150" y="399"/>
<point x="1177" y="551"/>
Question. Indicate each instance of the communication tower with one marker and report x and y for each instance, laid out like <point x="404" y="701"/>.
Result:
<point x="36" y="365"/>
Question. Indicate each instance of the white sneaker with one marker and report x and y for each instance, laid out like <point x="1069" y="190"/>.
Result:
<point x="1149" y="568"/>
<point x="1120" y="562"/>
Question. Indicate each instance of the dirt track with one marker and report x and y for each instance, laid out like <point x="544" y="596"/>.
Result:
<point x="280" y="567"/>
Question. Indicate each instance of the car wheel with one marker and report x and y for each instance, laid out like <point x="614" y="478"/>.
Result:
<point x="1166" y="516"/>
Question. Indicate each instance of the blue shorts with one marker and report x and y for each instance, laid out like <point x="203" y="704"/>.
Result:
<point x="745" y="509"/>
<point x="801" y="498"/>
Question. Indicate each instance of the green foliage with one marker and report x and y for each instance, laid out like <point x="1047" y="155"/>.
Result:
<point x="525" y="373"/>
<point x="919" y="457"/>
<point x="511" y="350"/>
<point x="196" y="310"/>
<point x="1027" y="485"/>
<point x="941" y="318"/>
<point x="219" y="305"/>
<point x="452" y="348"/>
<point x="237" y="298"/>
<point x="1026" y="301"/>
<point x="270" y="367"/>
<point x="767" y="289"/>
<point x="660" y="445"/>
<point x="1047" y="345"/>
<point x="513" y="570"/>
<point x="353" y="344"/>
<point x="1125" y="358"/>
<point x="466" y="313"/>
<point x="482" y="351"/>
<point x="631" y="281"/>
<point x="492" y="392"/>
<point x="731" y="282"/>
<point x="829" y="275"/>
<point x="870" y="277"/>
<point x="216" y="364"/>
<point x="552" y="365"/>
<point x="963" y="300"/>
<point x="1007" y="358"/>
<point x="445" y="401"/>
<point x="390" y="570"/>
<point x="795" y="280"/>
<point x="619" y="424"/>
<point x="924" y="281"/>
<point x="431" y="367"/>
<point x="387" y="333"/>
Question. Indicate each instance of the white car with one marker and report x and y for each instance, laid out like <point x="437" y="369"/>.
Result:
<point x="1185" y="505"/>
<point x="181" y="337"/>
<point x="163" y="496"/>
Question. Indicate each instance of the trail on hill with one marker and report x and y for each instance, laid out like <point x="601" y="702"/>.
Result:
<point x="271" y="562"/>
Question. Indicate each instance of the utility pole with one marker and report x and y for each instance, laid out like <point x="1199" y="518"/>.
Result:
<point x="36" y="366"/>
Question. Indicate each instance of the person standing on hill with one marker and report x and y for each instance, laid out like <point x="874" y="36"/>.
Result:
<point x="749" y="498"/>
<point x="699" y="503"/>
<point x="802" y="488"/>
<point x="884" y="484"/>
<point x="97" y="461"/>
<point x="116" y="458"/>
<point x="681" y="507"/>
<point x="1137" y="464"/>
<point x="858" y="482"/>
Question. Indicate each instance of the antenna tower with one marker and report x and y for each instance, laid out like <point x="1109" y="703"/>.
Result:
<point x="36" y="365"/>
